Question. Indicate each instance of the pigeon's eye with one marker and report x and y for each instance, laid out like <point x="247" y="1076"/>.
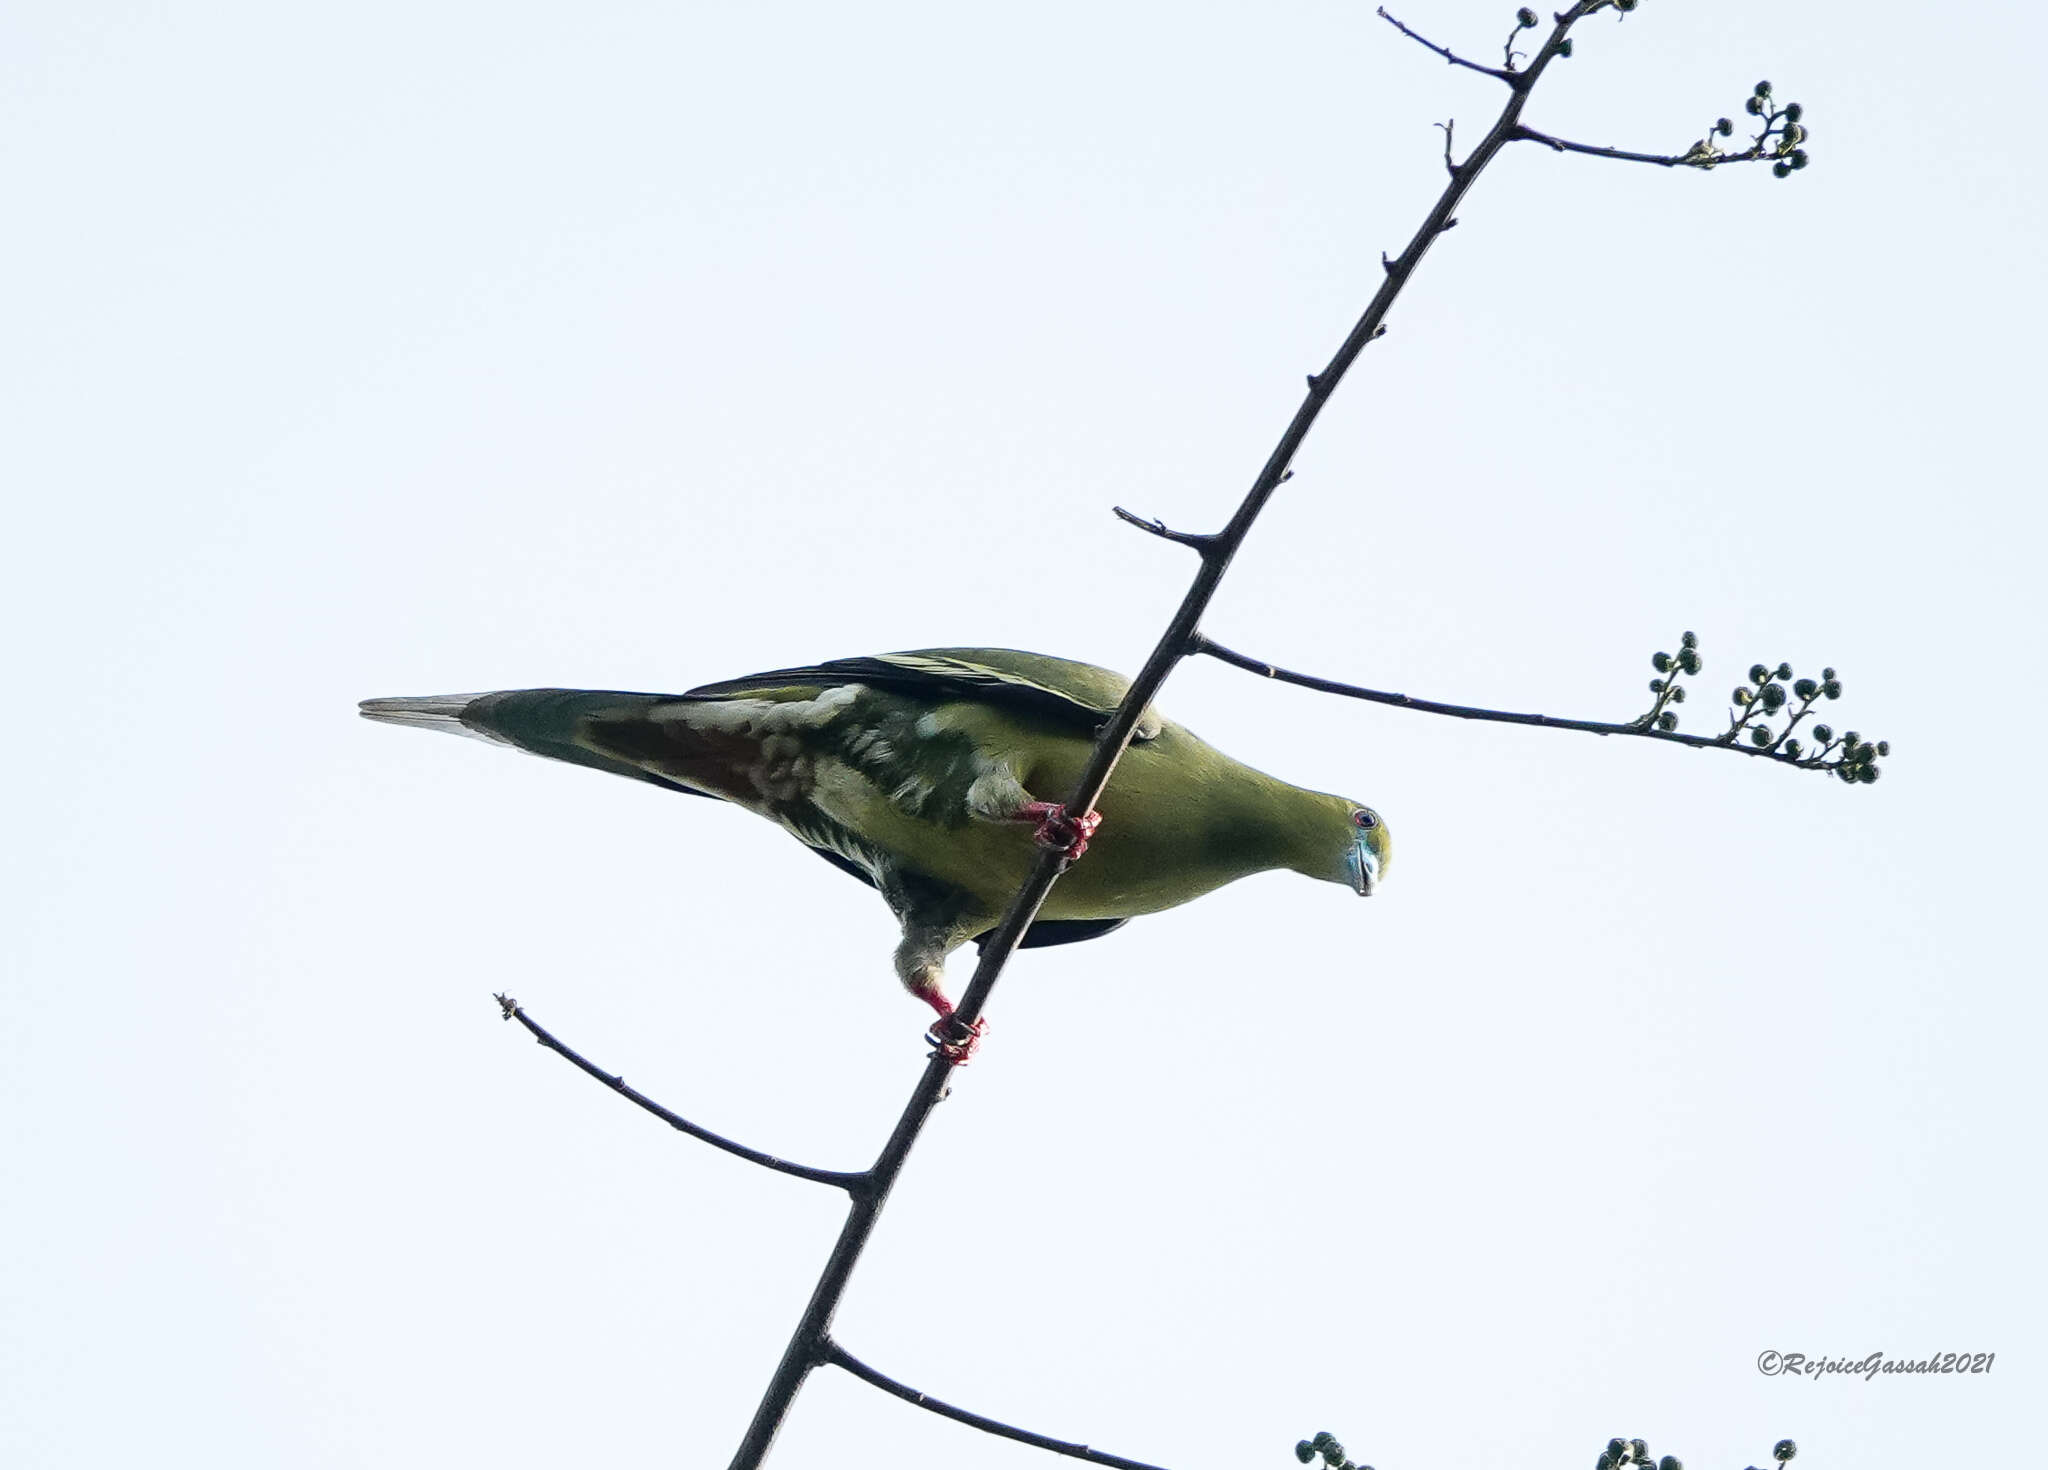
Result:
<point x="1365" y="819"/>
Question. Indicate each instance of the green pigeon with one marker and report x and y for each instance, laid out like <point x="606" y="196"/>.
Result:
<point x="932" y="775"/>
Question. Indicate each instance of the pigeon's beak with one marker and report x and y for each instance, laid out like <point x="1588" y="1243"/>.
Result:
<point x="1365" y="869"/>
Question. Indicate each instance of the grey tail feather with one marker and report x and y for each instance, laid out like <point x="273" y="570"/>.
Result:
<point x="429" y="712"/>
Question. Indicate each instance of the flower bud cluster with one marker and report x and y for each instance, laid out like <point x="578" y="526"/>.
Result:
<point x="1625" y="1454"/>
<point x="1671" y="667"/>
<point x="1325" y="1447"/>
<point x="1767" y="708"/>
<point x="1781" y="140"/>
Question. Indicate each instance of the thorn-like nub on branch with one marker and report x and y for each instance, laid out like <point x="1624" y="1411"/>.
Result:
<point x="507" y="1006"/>
<point x="1155" y="527"/>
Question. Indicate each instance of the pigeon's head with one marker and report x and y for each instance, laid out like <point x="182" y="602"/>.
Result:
<point x="1369" y="851"/>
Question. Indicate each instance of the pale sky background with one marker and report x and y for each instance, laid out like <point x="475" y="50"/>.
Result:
<point x="390" y="349"/>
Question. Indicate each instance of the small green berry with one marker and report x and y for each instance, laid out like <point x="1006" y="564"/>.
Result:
<point x="1758" y="673"/>
<point x="1603" y="1463"/>
<point x="1760" y="736"/>
<point x="1661" y="662"/>
<point x="1793" y="750"/>
<point x="1794" y="112"/>
<point x="1784" y="1450"/>
<point x="1884" y="747"/>
<point x="1798" y="158"/>
<point x="1781" y="170"/>
<point x="1772" y="696"/>
<point x="1724" y="127"/>
<point x="1763" y="89"/>
<point x="1754" y="107"/>
<point x="1823" y="733"/>
<point x="1833" y="687"/>
<point x="1624" y="6"/>
<point x="1866" y="774"/>
<point x="1741" y="695"/>
<point x="1851" y="739"/>
<point x="1640" y="1450"/>
<point x="1678" y="694"/>
<point x="1656" y="686"/>
<point x="1667" y="721"/>
<point x="1526" y="18"/>
<point x="1806" y="689"/>
<point x="1784" y="671"/>
<point x="1689" y="659"/>
<point x="1617" y="1449"/>
<point x="1304" y="1452"/>
<point x="1827" y="673"/>
<point x="1689" y="640"/>
<point x="1671" y="1462"/>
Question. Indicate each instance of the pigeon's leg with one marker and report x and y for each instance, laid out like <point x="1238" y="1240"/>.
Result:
<point x="921" y="963"/>
<point x="1065" y="835"/>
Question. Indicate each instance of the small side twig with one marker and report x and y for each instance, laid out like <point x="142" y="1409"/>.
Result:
<point x="852" y="1182"/>
<point x="1510" y="76"/>
<point x="1194" y="541"/>
<point x="839" y="1357"/>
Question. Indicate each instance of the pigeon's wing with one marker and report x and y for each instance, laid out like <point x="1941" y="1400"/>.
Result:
<point x="1073" y="693"/>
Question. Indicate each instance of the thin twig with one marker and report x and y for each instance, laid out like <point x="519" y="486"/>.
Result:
<point x="1156" y="527"/>
<point x="852" y="1183"/>
<point x="1647" y="731"/>
<point x="839" y="1357"/>
<point x="1511" y="78"/>
<point x="1561" y="145"/>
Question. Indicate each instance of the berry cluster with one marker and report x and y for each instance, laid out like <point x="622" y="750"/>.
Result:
<point x="1782" y="139"/>
<point x="1770" y="694"/>
<point x="1325" y="1446"/>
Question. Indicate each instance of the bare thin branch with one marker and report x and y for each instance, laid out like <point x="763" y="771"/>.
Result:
<point x="839" y="1357"/>
<point x="1662" y="160"/>
<point x="852" y="1183"/>
<point x="1511" y="78"/>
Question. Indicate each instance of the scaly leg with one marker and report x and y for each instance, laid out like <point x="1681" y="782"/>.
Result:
<point x="921" y="964"/>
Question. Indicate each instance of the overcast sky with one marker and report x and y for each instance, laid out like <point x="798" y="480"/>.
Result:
<point x="404" y="348"/>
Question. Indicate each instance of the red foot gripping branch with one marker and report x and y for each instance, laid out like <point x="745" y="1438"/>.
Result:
<point x="1065" y="835"/>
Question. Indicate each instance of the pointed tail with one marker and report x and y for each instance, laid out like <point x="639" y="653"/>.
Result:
<point x="562" y="724"/>
<point x="430" y="712"/>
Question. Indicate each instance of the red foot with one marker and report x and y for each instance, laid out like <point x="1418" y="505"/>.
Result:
<point x="1065" y="835"/>
<point x="951" y="1037"/>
